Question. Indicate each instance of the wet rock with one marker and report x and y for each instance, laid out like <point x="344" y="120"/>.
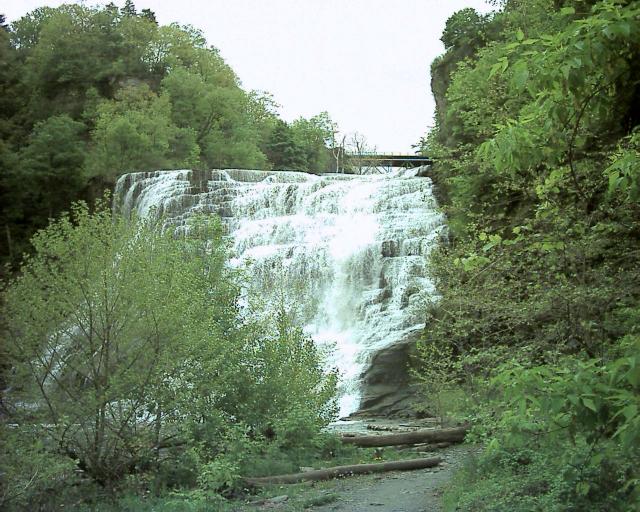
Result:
<point x="390" y="249"/>
<point x="386" y="384"/>
<point x="406" y="295"/>
<point x="424" y="171"/>
<point x="382" y="295"/>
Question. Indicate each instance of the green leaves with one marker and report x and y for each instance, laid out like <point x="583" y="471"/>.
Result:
<point x="567" y="11"/>
<point x="624" y="172"/>
<point x="472" y="262"/>
<point x="520" y="75"/>
<point x="491" y="241"/>
<point x="563" y="72"/>
<point x="590" y="395"/>
<point x="499" y="67"/>
<point x="139" y="337"/>
<point x="540" y="171"/>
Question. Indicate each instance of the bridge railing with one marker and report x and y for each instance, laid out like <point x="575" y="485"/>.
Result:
<point x="383" y="153"/>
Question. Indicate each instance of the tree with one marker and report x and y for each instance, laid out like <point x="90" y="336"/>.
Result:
<point x="358" y="150"/>
<point x="135" y="132"/>
<point x="129" y="9"/>
<point x="76" y="48"/>
<point x="283" y="151"/>
<point x="465" y="27"/>
<point x="537" y="164"/>
<point x="53" y="162"/>
<point x="149" y="97"/>
<point x="122" y="337"/>
<point x="11" y="135"/>
<point x="26" y="31"/>
<point x="96" y="321"/>
<point x="149" y="15"/>
<point x="216" y="117"/>
<point x="314" y="135"/>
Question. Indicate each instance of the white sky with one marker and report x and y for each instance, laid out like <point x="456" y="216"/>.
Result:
<point x="366" y="62"/>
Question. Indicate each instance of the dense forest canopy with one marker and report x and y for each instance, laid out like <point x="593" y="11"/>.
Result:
<point x="88" y="93"/>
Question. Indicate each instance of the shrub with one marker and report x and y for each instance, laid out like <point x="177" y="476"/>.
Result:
<point x="130" y="357"/>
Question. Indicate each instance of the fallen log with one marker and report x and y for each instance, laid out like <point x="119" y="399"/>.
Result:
<point x="338" y="471"/>
<point x="447" y="435"/>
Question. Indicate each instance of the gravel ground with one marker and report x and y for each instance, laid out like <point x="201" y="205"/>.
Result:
<point x="406" y="491"/>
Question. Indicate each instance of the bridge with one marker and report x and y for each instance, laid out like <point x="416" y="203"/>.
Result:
<point x="388" y="159"/>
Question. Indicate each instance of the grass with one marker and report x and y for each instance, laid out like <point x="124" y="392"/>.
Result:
<point x="299" y="498"/>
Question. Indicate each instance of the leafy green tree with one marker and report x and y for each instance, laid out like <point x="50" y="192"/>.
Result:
<point x="314" y="136"/>
<point x="135" y="132"/>
<point x="25" y="32"/>
<point x="149" y="96"/>
<point x="71" y="54"/>
<point x="465" y="27"/>
<point x="135" y="36"/>
<point x="537" y="169"/>
<point x="149" y="15"/>
<point x="96" y="346"/>
<point x="53" y="162"/>
<point x="10" y="187"/>
<point x="123" y="338"/>
<point x="11" y="135"/>
<point x="129" y="9"/>
<point x="216" y="117"/>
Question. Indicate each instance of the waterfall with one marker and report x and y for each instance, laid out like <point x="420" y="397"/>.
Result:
<point x="351" y="250"/>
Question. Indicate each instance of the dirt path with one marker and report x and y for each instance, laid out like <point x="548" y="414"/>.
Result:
<point x="408" y="491"/>
<point x="399" y="491"/>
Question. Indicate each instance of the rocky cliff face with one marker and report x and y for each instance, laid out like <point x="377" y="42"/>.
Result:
<point x="386" y="384"/>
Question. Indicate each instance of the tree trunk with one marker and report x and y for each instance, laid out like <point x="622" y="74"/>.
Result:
<point x="338" y="471"/>
<point x="9" y="241"/>
<point x="450" y="435"/>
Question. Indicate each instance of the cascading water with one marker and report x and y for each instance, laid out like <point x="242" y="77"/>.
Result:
<point x="350" y="249"/>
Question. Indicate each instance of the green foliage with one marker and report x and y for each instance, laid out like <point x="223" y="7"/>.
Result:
<point x="134" y="132"/>
<point x="284" y="152"/>
<point x="214" y="114"/>
<point x="537" y="171"/>
<point x="127" y="94"/>
<point x="624" y="171"/>
<point x="314" y="135"/>
<point x="94" y="373"/>
<point x="566" y="437"/>
<point x="596" y="398"/>
<point x="123" y="340"/>
<point x="463" y="28"/>
<point x="30" y="473"/>
<point x="437" y="376"/>
<point x="53" y="159"/>
<point x="537" y="174"/>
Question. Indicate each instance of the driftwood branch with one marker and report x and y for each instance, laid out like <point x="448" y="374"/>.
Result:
<point x="447" y="435"/>
<point x="338" y="471"/>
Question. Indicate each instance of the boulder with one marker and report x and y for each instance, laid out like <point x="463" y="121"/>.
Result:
<point x="390" y="248"/>
<point x="424" y="171"/>
<point x="386" y="384"/>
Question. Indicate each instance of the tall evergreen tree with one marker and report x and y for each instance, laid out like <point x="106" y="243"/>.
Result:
<point x="129" y="9"/>
<point x="283" y="151"/>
